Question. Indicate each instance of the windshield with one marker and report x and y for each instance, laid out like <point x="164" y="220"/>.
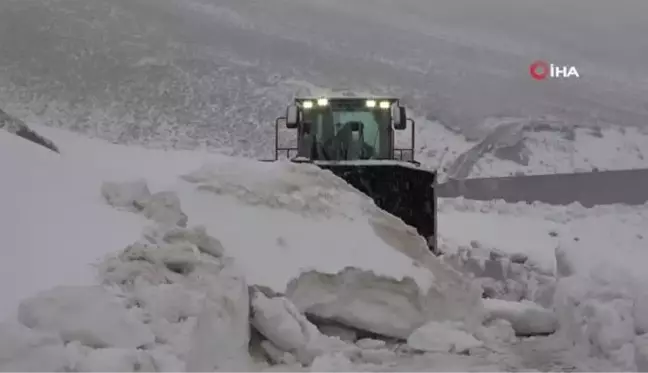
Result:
<point x="347" y="133"/>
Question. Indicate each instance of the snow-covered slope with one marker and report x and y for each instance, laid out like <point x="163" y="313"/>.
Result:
<point x="53" y="223"/>
<point x="517" y="146"/>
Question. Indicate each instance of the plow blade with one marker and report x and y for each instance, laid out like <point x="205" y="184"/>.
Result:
<point x="400" y="189"/>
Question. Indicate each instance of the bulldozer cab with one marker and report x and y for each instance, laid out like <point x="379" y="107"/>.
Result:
<point x="354" y="138"/>
<point x="345" y="129"/>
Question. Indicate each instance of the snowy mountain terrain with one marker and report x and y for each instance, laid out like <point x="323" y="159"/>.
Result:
<point x="516" y="146"/>
<point x="275" y="227"/>
<point x="148" y="237"/>
<point x="200" y="73"/>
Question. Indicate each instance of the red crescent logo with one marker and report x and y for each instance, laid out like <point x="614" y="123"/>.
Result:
<point x="539" y="70"/>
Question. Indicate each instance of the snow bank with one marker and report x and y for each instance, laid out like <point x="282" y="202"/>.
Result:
<point x="297" y="212"/>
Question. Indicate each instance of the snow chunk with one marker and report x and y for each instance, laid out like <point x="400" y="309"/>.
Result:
<point x="134" y="196"/>
<point x="116" y="360"/>
<point x="338" y="331"/>
<point x="378" y="304"/>
<point x="169" y="302"/>
<point x="129" y="195"/>
<point x="196" y="304"/>
<point x="222" y="333"/>
<point x="86" y="314"/>
<point x="281" y="322"/>
<point x="361" y="300"/>
<point x="197" y="236"/>
<point x="370" y="344"/>
<point x="527" y="318"/>
<point x="498" y="330"/>
<point x="442" y="337"/>
<point x="377" y="356"/>
<point x="164" y="207"/>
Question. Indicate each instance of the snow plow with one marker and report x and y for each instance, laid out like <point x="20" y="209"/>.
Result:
<point x="354" y="138"/>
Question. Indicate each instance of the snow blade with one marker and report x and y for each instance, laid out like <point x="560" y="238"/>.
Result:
<point x="398" y="188"/>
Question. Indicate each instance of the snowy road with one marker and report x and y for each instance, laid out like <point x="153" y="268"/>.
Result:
<point x="204" y="67"/>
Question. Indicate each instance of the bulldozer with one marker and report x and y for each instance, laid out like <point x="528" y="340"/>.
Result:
<point x="354" y="138"/>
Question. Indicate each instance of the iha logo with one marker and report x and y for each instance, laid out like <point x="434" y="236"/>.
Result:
<point x="541" y="70"/>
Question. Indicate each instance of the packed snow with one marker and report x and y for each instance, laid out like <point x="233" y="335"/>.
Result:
<point x="199" y="234"/>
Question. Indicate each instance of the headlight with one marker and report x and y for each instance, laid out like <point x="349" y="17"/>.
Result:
<point x="371" y="103"/>
<point x="307" y="104"/>
<point x="384" y="104"/>
<point x="322" y="102"/>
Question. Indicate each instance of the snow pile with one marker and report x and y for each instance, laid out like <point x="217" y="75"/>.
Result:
<point x="167" y="302"/>
<point x="163" y="305"/>
<point x="178" y="298"/>
<point x="590" y="260"/>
